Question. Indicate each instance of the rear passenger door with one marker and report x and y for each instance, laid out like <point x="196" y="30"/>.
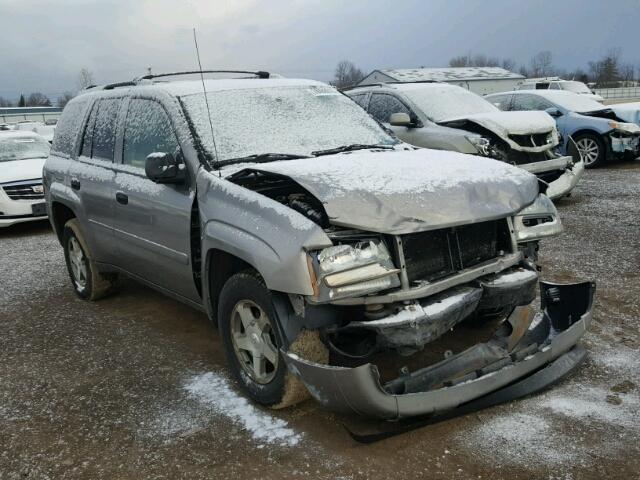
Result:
<point x="152" y="221"/>
<point x="92" y="175"/>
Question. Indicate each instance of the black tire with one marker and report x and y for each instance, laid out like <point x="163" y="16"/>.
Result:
<point x="240" y="289"/>
<point x="92" y="284"/>
<point x="594" y="147"/>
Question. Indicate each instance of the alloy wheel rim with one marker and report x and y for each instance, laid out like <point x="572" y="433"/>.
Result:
<point x="78" y="264"/>
<point x="588" y="149"/>
<point x="254" y="342"/>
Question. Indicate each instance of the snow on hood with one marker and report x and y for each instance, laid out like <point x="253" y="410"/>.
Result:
<point x="409" y="191"/>
<point x="629" y="112"/>
<point x="17" y="170"/>
<point x="505" y="123"/>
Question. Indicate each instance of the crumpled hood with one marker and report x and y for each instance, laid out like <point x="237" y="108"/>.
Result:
<point x="17" y="170"/>
<point x="504" y="124"/>
<point x="404" y="191"/>
<point x="629" y="112"/>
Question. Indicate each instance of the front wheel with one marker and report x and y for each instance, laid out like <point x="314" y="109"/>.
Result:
<point x="251" y="341"/>
<point x="591" y="149"/>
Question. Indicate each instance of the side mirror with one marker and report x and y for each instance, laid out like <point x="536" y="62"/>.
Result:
<point x="554" y="112"/>
<point x="400" y="120"/>
<point x="163" y="167"/>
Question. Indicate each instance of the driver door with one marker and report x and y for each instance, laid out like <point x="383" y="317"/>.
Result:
<point x="152" y="221"/>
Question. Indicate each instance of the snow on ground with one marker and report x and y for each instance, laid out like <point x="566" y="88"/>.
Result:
<point x="214" y="391"/>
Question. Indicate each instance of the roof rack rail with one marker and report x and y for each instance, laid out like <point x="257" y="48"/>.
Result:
<point x="259" y="73"/>
<point x="393" y="82"/>
<point x="111" y="86"/>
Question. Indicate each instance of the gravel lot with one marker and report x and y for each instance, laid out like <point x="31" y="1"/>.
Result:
<point x="135" y="386"/>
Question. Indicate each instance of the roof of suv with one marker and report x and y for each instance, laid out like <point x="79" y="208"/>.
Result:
<point x="188" y="87"/>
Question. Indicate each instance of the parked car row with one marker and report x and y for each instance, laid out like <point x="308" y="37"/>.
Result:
<point x="317" y="241"/>
<point x="448" y="117"/>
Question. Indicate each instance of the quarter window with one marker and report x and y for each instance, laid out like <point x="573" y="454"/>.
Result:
<point x="382" y="106"/>
<point x="360" y="99"/>
<point x="501" y="101"/>
<point x="147" y="130"/>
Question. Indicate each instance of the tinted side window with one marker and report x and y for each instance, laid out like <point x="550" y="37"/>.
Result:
<point x="70" y="122"/>
<point x="104" y="132"/>
<point x="382" y="106"/>
<point x="530" y="102"/>
<point x="147" y="130"/>
<point x="360" y="99"/>
<point x="501" y="101"/>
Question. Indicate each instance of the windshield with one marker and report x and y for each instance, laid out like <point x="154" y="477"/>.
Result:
<point x="575" y="87"/>
<point x="22" y="148"/>
<point x="575" y="103"/>
<point x="293" y="120"/>
<point x="443" y="103"/>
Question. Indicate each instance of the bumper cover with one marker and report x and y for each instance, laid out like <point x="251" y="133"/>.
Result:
<point x="567" y="182"/>
<point x="528" y="345"/>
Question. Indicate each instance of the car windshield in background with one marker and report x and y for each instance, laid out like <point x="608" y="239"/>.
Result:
<point x="576" y="103"/>
<point x="575" y="87"/>
<point x="22" y="148"/>
<point x="284" y="120"/>
<point x="441" y="104"/>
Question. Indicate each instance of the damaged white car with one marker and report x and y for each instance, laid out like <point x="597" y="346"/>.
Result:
<point x="448" y="117"/>
<point x="321" y="246"/>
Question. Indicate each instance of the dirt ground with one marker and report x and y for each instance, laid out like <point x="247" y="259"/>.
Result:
<point x="135" y="386"/>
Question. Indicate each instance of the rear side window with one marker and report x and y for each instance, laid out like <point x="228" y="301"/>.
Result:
<point x="104" y="131"/>
<point x="382" y="106"/>
<point x="360" y="99"/>
<point x="88" y="132"/>
<point x="530" y="102"/>
<point x="501" y="101"/>
<point x="66" y="132"/>
<point x="147" y="130"/>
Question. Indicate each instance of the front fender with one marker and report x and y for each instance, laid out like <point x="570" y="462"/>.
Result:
<point x="260" y="231"/>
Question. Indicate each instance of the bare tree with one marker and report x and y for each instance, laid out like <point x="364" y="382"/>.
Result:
<point x="85" y="79"/>
<point x="347" y="74"/>
<point x="38" y="99"/>
<point x="542" y="64"/>
<point x="481" y="60"/>
<point x="64" y="99"/>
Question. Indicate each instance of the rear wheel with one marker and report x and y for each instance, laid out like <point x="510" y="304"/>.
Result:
<point x="87" y="281"/>
<point x="591" y="149"/>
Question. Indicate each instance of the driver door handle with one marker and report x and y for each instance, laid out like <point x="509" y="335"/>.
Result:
<point x="122" y="198"/>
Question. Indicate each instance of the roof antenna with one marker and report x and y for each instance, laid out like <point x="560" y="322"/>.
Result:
<point x="206" y="101"/>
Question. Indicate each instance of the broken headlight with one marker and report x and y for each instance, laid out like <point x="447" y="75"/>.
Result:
<point x="539" y="220"/>
<point x="481" y="144"/>
<point x="628" y="128"/>
<point x="350" y="270"/>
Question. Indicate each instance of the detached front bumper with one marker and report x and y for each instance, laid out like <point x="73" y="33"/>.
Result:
<point x="563" y="184"/>
<point x="522" y="347"/>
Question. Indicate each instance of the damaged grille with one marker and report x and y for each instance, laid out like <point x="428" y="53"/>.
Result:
<point x="439" y="253"/>
<point x="516" y="157"/>
<point x="535" y="140"/>
<point x="24" y="191"/>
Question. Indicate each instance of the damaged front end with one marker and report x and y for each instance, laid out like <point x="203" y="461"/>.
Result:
<point x="525" y="344"/>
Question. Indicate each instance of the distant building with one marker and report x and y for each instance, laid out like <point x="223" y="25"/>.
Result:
<point x="481" y="80"/>
<point x="29" y="114"/>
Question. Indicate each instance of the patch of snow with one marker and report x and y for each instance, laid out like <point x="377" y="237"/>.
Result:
<point x="514" y="276"/>
<point x="214" y="391"/>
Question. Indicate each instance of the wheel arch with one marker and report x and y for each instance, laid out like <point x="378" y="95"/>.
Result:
<point x="60" y="214"/>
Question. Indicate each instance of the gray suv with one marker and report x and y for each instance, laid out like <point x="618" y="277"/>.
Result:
<point x="317" y="242"/>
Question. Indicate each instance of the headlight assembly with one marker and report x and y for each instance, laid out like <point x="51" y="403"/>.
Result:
<point x="350" y="270"/>
<point x="629" y="128"/>
<point x="539" y="220"/>
<point x="482" y="145"/>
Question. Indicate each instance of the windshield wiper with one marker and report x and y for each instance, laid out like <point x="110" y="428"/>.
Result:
<point x="348" y="148"/>
<point x="260" y="158"/>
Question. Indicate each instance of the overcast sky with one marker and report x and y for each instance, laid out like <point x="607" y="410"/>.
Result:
<point x="44" y="44"/>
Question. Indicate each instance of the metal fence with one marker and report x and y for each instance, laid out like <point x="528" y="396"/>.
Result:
<point x="28" y="117"/>
<point x="620" y="92"/>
